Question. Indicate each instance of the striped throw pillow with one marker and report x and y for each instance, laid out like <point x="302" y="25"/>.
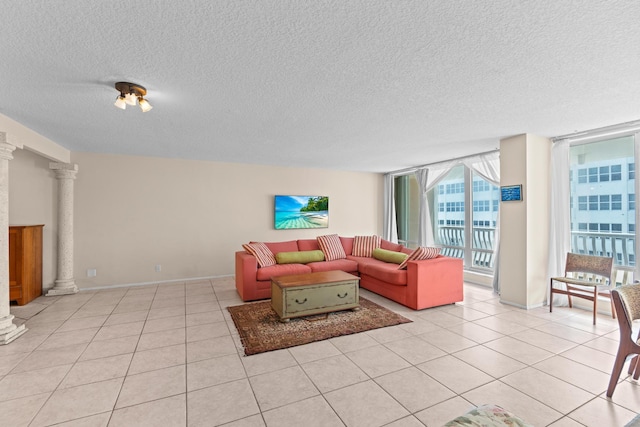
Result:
<point x="364" y="245"/>
<point x="331" y="246"/>
<point x="420" y="254"/>
<point x="262" y="253"/>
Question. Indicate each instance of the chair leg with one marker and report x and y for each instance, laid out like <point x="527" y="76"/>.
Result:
<point x="551" y="296"/>
<point x="595" y="303"/>
<point x="613" y="307"/>
<point x="615" y="374"/>
<point x="632" y="364"/>
<point x="636" y="371"/>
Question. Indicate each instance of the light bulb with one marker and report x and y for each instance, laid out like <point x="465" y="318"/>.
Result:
<point x="144" y="105"/>
<point x="120" y="102"/>
<point x="130" y="99"/>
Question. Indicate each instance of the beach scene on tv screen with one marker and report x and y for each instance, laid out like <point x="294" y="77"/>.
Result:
<point x="301" y="212"/>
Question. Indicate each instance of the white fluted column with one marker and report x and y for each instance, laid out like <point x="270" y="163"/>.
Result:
<point x="65" y="284"/>
<point x="8" y="330"/>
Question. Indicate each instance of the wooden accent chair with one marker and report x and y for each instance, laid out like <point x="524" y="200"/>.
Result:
<point x="627" y="303"/>
<point x="585" y="276"/>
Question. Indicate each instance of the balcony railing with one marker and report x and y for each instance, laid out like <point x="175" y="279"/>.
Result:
<point x="617" y="245"/>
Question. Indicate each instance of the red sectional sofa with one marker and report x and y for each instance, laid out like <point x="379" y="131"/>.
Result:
<point x="424" y="284"/>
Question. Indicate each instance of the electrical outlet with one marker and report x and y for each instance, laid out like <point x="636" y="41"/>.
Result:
<point x="158" y="268"/>
<point x="92" y="272"/>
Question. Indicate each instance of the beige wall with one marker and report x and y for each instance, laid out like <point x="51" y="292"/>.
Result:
<point x="33" y="200"/>
<point x="132" y="213"/>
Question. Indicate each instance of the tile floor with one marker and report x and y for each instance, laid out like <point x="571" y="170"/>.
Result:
<point x="168" y="355"/>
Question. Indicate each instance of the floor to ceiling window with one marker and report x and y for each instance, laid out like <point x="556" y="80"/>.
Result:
<point x="602" y="204"/>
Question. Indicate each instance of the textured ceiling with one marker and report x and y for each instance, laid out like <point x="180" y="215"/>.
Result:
<point x="343" y="84"/>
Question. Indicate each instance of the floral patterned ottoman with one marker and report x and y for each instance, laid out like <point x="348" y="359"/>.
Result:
<point x="487" y="416"/>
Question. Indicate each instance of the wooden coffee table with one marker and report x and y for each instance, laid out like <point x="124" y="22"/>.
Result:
<point x="314" y="293"/>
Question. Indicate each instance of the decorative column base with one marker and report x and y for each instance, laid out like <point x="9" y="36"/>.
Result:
<point x="9" y="331"/>
<point x="63" y="287"/>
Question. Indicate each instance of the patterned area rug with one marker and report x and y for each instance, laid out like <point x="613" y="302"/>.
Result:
<point x="260" y="330"/>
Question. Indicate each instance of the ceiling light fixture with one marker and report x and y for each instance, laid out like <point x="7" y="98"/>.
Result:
<point x="129" y="94"/>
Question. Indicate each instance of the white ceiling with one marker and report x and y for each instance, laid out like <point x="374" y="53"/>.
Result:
<point x="358" y="85"/>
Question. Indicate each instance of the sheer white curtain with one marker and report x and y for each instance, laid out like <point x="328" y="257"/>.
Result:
<point x="560" y="220"/>
<point x="390" y="229"/>
<point x="428" y="177"/>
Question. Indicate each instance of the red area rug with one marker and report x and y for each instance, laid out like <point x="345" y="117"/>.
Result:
<point x="260" y="330"/>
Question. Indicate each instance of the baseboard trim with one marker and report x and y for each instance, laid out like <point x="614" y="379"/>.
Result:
<point x="155" y="282"/>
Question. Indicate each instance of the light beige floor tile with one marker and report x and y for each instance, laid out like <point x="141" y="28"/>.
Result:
<point x="168" y="412"/>
<point x="119" y="331"/>
<point x="591" y="357"/>
<point x="544" y="341"/>
<point x="161" y="339"/>
<point x="378" y="360"/>
<point x="64" y="339"/>
<point x="476" y="333"/>
<point x="514" y="401"/>
<point x="585" y="377"/>
<point x="601" y="412"/>
<point x="519" y="350"/>
<point x="414" y="389"/>
<point x="204" y="317"/>
<point x="152" y="385"/>
<point x="99" y="420"/>
<point x="268" y="362"/>
<point x="487" y="307"/>
<point x="111" y="347"/>
<point x="388" y="334"/>
<point x="440" y="414"/>
<point x="84" y="323"/>
<point x="252" y="421"/>
<point x="440" y="318"/>
<point x="41" y="328"/>
<point x="91" y="311"/>
<point x="489" y="361"/>
<point x="521" y="317"/>
<point x="207" y="331"/>
<point x="209" y="349"/>
<point x="447" y="340"/>
<point x="466" y="312"/>
<point x="377" y="409"/>
<point x="159" y="313"/>
<point x="566" y="422"/>
<point x="158" y="358"/>
<point x="317" y="413"/>
<point x="566" y="332"/>
<point x="8" y="362"/>
<point x="555" y="393"/>
<point x="95" y="370"/>
<point x="20" y="412"/>
<point x="604" y="344"/>
<point x="505" y="327"/>
<point x="77" y="402"/>
<point x="131" y="307"/>
<point x="419" y="326"/>
<point x="314" y="351"/>
<point x="234" y="401"/>
<point x="455" y="374"/>
<point x="51" y="315"/>
<point x="164" y="324"/>
<point x="210" y="372"/>
<point x="414" y="350"/>
<point x="409" y="421"/>
<point x="32" y="382"/>
<point x="627" y="395"/>
<point x="270" y="393"/>
<point x="353" y="342"/>
<point x="46" y="358"/>
<point x="202" y="307"/>
<point x="131" y="317"/>
<point x="333" y="373"/>
<point x="584" y="323"/>
<point x="168" y="302"/>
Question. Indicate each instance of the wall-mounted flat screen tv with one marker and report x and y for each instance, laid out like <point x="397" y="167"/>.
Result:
<point x="301" y="212"/>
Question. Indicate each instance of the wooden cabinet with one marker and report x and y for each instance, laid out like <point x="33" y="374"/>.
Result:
<point x="25" y="263"/>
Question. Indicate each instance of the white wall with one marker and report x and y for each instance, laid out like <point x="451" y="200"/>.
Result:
<point x="33" y="199"/>
<point x="190" y="217"/>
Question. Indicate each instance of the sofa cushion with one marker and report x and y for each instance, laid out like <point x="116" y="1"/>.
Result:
<point x="267" y="273"/>
<point x="308" y="245"/>
<point x="332" y="247"/>
<point x="288" y="246"/>
<point x="390" y="246"/>
<point x="347" y="244"/>
<point x="346" y="265"/>
<point x="299" y="257"/>
<point x="263" y="254"/>
<point x="384" y="271"/>
<point x="388" y="256"/>
<point x="419" y="254"/>
<point x="364" y="245"/>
